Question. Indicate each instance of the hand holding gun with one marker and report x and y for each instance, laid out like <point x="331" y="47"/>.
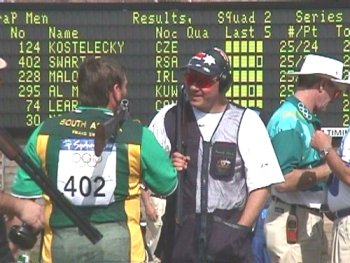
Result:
<point x="22" y="235"/>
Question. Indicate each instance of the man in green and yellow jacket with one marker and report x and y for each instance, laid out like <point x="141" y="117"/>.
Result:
<point x="105" y="189"/>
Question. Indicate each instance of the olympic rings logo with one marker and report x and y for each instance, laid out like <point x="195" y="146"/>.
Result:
<point x="306" y="113"/>
<point x="88" y="159"/>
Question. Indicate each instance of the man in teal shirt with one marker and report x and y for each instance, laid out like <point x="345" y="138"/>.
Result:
<point x="299" y="198"/>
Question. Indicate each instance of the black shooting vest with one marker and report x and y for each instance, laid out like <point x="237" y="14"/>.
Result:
<point x="203" y="180"/>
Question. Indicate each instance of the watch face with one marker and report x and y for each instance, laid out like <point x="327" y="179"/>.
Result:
<point x="323" y="154"/>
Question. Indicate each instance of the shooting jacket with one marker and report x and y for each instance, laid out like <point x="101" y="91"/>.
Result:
<point x="103" y="189"/>
<point x="220" y="188"/>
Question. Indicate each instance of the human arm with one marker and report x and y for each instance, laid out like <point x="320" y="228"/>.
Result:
<point x="261" y="165"/>
<point x="150" y="210"/>
<point x="23" y="211"/>
<point x="291" y="156"/>
<point x="27" y="211"/>
<point x="303" y="179"/>
<point x="180" y="161"/>
<point x="321" y="141"/>
<point x="23" y="186"/>
<point x="255" y="202"/>
<point x="159" y="173"/>
<point x="41" y="176"/>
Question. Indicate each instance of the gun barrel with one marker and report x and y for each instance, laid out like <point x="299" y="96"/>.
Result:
<point x="103" y="132"/>
<point x="12" y="150"/>
<point x="109" y="128"/>
<point x="179" y="148"/>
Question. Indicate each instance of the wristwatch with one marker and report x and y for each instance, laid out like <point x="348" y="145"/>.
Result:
<point x="324" y="152"/>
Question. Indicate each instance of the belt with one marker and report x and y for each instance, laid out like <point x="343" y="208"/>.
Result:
<point x="315" y="210"/>
<point x="158" y="196"/>
<point x="341" y="213"/>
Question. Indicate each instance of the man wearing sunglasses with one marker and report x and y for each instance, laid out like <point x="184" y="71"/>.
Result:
<point x="227" y="166"/>
<point x="294" y="225"/>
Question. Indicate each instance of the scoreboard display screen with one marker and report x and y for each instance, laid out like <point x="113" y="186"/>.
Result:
<point x="45" y="43"/>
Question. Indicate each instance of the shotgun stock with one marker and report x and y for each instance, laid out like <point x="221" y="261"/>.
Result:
<point x="109" y="128"/>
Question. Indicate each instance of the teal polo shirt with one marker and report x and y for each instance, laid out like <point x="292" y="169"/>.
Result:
<point x="290" y="129"/>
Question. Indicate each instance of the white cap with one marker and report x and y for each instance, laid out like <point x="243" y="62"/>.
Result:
<point x="343" y="83"/>
<point x="3" y="63"/>
<point x="324" y="66"/>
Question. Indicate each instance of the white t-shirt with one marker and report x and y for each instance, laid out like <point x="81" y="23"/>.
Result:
<point x="261" y="165"/>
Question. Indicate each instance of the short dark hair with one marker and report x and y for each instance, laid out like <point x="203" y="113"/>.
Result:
<point x="96" y="77"/>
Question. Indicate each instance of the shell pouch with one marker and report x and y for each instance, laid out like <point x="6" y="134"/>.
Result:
<point x="223" y="160"/>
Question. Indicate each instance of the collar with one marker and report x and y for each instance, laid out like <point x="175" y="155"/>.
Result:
<point x="81" y="108"/>
<point x="304" y="111"/>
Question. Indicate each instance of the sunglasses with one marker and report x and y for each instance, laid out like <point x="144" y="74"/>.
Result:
<point x="337" y="94"/>
<point x="199" y="80"/>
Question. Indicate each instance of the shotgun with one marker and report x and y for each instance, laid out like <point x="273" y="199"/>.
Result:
<point x="14" y="152"/>
<point x="179" y="144"/>
<point x="110" y="127"/>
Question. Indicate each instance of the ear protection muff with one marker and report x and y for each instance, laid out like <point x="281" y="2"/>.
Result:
<point x="225" y="80"/>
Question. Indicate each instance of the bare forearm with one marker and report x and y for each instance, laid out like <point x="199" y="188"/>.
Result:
<point x="150" y="209"/>
<point x="26" y="210"/>
<point x="256" y="201"/>
<point x="9" y="204"/>
<point x="339" y="168"/>
<point x="145" y="195"/>
<point x="302" y="179"/>
<point x="321" y="142"/>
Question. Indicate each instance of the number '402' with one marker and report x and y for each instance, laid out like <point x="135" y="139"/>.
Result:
<point x="85" y="186"/>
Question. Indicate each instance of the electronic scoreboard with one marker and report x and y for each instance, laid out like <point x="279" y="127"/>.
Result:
<point x="44" y="45"/>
